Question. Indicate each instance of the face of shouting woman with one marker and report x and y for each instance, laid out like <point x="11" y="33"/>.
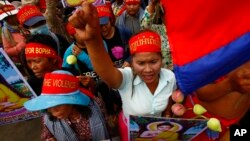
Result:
<point x="147" y="66"/>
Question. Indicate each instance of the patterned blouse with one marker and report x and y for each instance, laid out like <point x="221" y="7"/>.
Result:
<point x="81" y="127"/>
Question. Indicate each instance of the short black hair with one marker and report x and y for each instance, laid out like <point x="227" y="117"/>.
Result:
<point x="43" y="39"/>
<point x="165" y="123"/>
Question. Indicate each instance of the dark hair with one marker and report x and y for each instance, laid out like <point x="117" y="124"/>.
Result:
<point x="43" y="39"/>
<point x="165" y="123"/>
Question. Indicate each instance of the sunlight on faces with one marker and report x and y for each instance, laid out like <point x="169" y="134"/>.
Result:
<point x="147" y="66"/>
<point x="61" y="111"/>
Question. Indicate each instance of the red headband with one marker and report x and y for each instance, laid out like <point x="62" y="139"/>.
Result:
<point x="39" y="50"/>
<point x="59" y="83"/>
<point x="132" y="1"/>
<point x="147" y="41"/>
<point x="103" y="10"/>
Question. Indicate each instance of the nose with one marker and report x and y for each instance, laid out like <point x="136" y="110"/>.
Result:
<point x="148" y="68"/>
<point x="53" y="110"/>
<point x="33" y="66"/>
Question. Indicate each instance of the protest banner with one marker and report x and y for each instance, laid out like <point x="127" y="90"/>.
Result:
<point x="145" y="128"/>
<point x="14" y="91"/>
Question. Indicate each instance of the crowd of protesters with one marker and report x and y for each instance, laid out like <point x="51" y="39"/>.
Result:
<point x="116" y="59"/>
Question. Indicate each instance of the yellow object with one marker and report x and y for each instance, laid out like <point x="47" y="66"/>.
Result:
<point x="77" y="2"/>
<point x="198" y="109"/>
<point x="11" y="96"/>
<point x="71" y="59"/>
<point x="168" y="136"/>
<point x="73" y="2"/>
<point x="214" y="124"/>
<point x="91" y="1"/>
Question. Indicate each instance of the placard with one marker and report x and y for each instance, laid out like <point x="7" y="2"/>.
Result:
<point x="143" y="128"/>
<point x="14" y="91"/>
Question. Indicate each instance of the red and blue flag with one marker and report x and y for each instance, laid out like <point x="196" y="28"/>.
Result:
<point x="208" y="39"/>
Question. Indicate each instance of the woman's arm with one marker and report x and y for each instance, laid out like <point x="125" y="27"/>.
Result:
<point x="14" y="50"/>
<point x="86" y="22"/>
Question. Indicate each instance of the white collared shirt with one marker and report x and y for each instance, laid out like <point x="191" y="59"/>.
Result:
<point x="143" y="102"/>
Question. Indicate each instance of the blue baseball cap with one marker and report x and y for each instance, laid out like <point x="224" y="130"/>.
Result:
<point x="104" y="20"/>
<point x="34" y="20"/>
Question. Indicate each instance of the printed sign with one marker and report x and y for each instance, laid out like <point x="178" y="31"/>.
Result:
<point x="14" y="91"/>
<point x="142" y="128"/>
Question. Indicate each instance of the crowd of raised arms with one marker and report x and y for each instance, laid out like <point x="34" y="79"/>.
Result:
<point x="93" y="63"/>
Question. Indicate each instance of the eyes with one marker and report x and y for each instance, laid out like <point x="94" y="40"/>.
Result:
<point x="152" y="62"/>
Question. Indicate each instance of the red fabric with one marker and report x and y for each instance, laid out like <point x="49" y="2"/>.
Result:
<point x="42" y="4"/>
<point x="145" y="42"/>
<point x="39" y="50"/>
<point x="225" y="123"/>
<point x="87" y="92"/>
<point x="199" y="27"/>
<point x="54" y="84"/>
<point x="123" y="127"/>
<point x="70" y="29"/>
<point x="27" y="12"/>
<point x="103" y="10"/>
<point x="132" y="2"/>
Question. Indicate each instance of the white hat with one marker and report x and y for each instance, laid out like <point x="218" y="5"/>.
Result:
<point x="7" y="9"/>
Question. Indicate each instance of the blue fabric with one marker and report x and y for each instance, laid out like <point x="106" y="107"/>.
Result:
<point x="60" y="129"/>
<point x="83" y="57"/>
<point x="10" y="28"/>
<point x="120" y="21"/>
<point x="48" y="100"/>
<point x="196" y="78"/>
<point x="97" y="123"/>
<point x="34" y="20"/>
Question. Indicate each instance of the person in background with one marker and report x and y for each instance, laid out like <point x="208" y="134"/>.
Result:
<point x="54" y="15"/>
<point x="115" y="38"/>
<point x="33" y="20"/>
<point x="84" y="70"/>
<point x="39" y="57"/>
<point x="131" y="17"/>
<point x="145" y="87"/>
<point x="71" y="113"/>
<point x="153" y="19"/>
<point x="12" y="34"/>
<point x="41" y="4"/>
